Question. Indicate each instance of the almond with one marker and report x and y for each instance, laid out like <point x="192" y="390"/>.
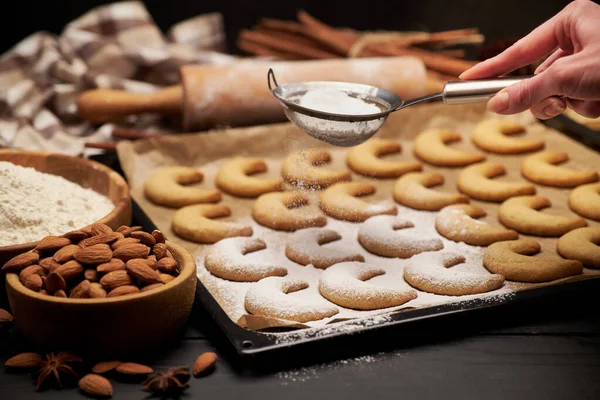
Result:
<point x="151" y="287"/>
<point x="140" y="271"/>
<point x="113" y="265"/>
<point x="97" y="291"/>
<point x="127" y="231"/>
<point x="5" y="316"/>
<point x="167" y="265"/>
<point x="123" y="290"/>
<point x="165" y="278"/>
<point x="115" y="279"/>
<point x="52" y="243"/>
<point x="96" y="385"/>
<point x="49" y="264"/>
<point x="87" y="230"/>
<point x="81" y="291"/>
<point x="204" y="363"/>
<point x="134" y="369"/>
<point x="105" y="366"/>
<point x="32" y="269"/>
<point x="55" y="282"/>
<point x="24" y="360"/>
<point x="96" y="254"/>
<point x="43" y="291"/>
<point x="32" y="282"/>
<point x="160" y="250"/>
<point x="144" y="237"/>
<point x="122" y="242"/>
<point x="151" y="261"/>
<point x="100" y="239"/>
<point x="158" y="236"/>
<point x="131" y="251"/>
<point x="60" y="293"/>
<point x="65" y="254"/>
<point x="91" y="275"/>
<point x="100" y="229"/>
<point x="17" y="263"/>
<point x="75" y="236"/>
<point x="70" y="270"/>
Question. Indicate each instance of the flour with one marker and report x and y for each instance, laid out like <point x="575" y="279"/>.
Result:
<point x="337" y="102"/>
<point x="35" y="204"/>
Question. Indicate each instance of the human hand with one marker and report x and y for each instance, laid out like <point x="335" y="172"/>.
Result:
<point x="570" y="76"/>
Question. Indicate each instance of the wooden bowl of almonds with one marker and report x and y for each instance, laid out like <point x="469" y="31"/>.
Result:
<point x="101" y="291"/>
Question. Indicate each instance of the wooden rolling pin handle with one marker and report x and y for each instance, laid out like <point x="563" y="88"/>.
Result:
<point x="108" y="105"/>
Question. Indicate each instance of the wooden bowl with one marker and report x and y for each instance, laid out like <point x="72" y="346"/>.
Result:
<point x="109" y="327"/>
<point x="87" y="173"/>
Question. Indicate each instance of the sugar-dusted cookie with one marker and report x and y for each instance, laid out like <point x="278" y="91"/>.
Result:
<point x="522" y="214"/>
<point x="493" y="135"/>
<point x="514" y="259"/>
<point x="278" y="211"/>
<point x="228" y="259"/>
<point x="457" y="222"/>
<point x="413" y="190"/>
<point x="344" y="284"/>
<point x="542" y="168"/>
<point x="585" y="200"/>
<point x="432" y="147"/>
<point x="269" y="298"/>
<point x="237" y="177"/>
<point x="431" y="273"/>
<point x="195" y="223"/>
<point x="476" y="182"/>
<point x="165" y="187"/>
<point x="305" y="168"/>
<point x="340" y="201"/>
<point x="365" y="159"/>
<point x="305" y="246"/>
<point x="581" y="244"/>
<point x="383" y="235"/>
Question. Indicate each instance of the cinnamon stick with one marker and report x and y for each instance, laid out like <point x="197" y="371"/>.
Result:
<point x="111" y="146"/>
<point x="287" y="26"/>
<point x="289" y="46"/>
<point x="336" y="40"/>
<point x="262" y="51"/>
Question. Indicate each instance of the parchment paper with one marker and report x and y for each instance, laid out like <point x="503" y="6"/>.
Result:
<point x="208" y="150"/>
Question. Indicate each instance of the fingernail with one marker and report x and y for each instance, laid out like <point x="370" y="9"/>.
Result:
<point x="461" y="75"/>
<point x="499" y="102"/>
<point x="553" y="109"/>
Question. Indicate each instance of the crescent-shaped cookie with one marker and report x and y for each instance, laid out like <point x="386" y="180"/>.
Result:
<point x="383" y="235"/>
<point x="413" y="190"/>
<point x="432" y="147"/>
<point x="235" y="177"/>
<point x="514" y="260"/>
<point x="165" y="187"/>
<point x="344" y="285"/>
<point x="430" y="273"/>
<point x="269" y="298"/>
<point x="581" y="244"/>
<point x="228" y="259"/>
<point x="476" y="182"/>
<point x="522" y="214"/>
<point x="277" y="211"/>
<point x="457" y="222"/>
<point x="542" y="168"/>
<point x="305" y="247"/>
<point x="585" y="200"/>
<point x="365" y="159"/>
<point x="493" y="135"/>
<point x="195" y="223"/>
<point x="305" y="168"/>
<point x="340" y="201"/>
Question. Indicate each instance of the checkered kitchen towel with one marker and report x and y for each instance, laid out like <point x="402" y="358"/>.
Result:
<point x="114" y="46"/>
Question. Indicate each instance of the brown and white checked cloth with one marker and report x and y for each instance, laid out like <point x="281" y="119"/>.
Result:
<point x="113" y="46"/>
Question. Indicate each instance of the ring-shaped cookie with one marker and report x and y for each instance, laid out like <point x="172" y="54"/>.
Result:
<point x="344" y="285"/>
<point x="277" y="211"/>
<point x="340" y="201"/>
<point x="514" y="259"/>
<point x="432" y="147"/>
<point x="365" y="159"/>
<point x="305" y="168"/>
<point x="165" y="187"/>
<point x="195" y="223"/>
<point x="269" y="298"/>
<point x="581" y="244"/>
<point x="228" y="259"/>
<point x="493" y="135"/>
<point x="236" y="178"/>
<point x="585" y="200"/>
<point x="542" y="168"/>
<point x="305" y="247"/>
<point x="430" y="273"/>
<point x="522" y="213"/>
<point x="413" y="190"/>
<point x="476" y="182"/>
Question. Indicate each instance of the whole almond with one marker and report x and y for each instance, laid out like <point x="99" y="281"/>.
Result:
<point x="158" y="236"/>
<point x="97" y="291"/>
<point x="134" y="369"/>
<point x="123" y="290"/>
<point x="75" y="236"/>
<point x="166" y="278"/>
<point x="19" y="262"/>
<point x="32" y="282"/>
<point x="60" y="293"/>
<point x="81" y="291"/>
<point x="49" y="264"/>
<point x="94" y="255"/>
<point x="70" y="270"/>
<point x="96" y="385"/>
<point x="144" y="237"/>
<point x="151" y="262"/>
<point x="52" y="243"/>
<point x="123" y="241"/>
<point x="204" y="363"/>
<point x="160" y="250"/>
<point x="113" y="265"/>
<point x="55" y="282"/>
<point x="5" y="316"/>
<point x="151" y="287"/>
<point x="32" y="269"/>
<point x="24" y="360"/>
<point x="100" y="229"/>
<point x="141" y="272"/>
<point x="131" y="251"/>
<point x="100" y="239"/>
<point x="91" y="275"/>
<point x="87" y="230"/>
<point x="167" y="265"/>
<point x="65" y="254"/>
<point x="115" y="279"/>
<point x="127" y="231"/>
<point x="44" y="291"/>
<point x="105" y="366"/>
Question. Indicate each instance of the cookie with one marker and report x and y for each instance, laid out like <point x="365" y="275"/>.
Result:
<point x="432" y="147"/>
<point x="493" y="135"/>
<point x="457" y="222"/>
<point x="340" y="201"/>
<point x="195" y="223"/>
<point x="514" y="259"/>
<point x="305" y="247"/>
<point x="344" y="285"/>
<point x="541" y="168"/>
<point x="228" y="259"/>
<point x="413" y="190"/>
<point x="476" y="182"/>
<point x="430" y="273"/>
<point x="585" y="200"/>
<point x="383" y="235"/>
<point x="365" y="159"/>
<point x="305" y="168"/>
<point x="581" y="244"/>
<point x="165" y="187"/>
<point x="522" y="214"/>
<point x="236" y="177"/>
<point x="269" y="298"/>
<point x="278" y="211"/>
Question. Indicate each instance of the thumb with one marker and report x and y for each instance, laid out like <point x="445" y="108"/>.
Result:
<point x="522" y="95"/>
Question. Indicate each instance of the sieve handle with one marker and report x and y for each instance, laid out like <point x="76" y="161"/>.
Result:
<point x="476" y="91"/>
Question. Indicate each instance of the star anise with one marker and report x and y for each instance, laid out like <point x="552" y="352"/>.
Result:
<point x="174" y="380"/>
<point x="58" y="367"/>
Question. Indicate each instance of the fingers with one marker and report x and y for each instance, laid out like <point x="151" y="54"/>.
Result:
<point x="549" y="107"/>
<point x="523" y="95"/>
<point x="550" y="60"/>
<point x="589" y="109"/>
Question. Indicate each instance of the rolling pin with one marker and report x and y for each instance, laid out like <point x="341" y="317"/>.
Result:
<point x="238" y="95"/>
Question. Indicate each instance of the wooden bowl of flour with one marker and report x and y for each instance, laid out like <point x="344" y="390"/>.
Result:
<point x="88" y="174"/>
